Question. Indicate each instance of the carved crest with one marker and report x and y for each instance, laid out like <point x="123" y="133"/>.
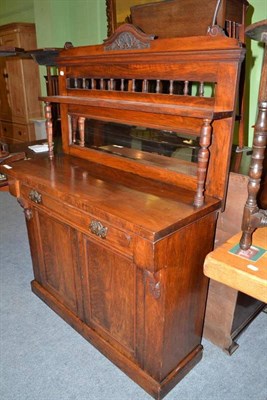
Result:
<point x="128" y="37"/>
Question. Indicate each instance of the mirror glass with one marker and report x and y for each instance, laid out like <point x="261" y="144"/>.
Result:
<point x="167" y="149"/>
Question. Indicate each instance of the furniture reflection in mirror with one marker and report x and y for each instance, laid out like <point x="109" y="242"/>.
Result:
<point x="158" y="147"/>
<point x="119" y="226"/>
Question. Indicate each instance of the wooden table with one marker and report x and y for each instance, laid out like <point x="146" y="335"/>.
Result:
<point x="20" y="150"/>
<point x="240" y="273"/>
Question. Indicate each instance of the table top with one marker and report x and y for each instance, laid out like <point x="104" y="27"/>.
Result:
<point x="241" y="271"/>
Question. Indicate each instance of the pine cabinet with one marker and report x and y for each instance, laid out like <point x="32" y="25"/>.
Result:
<point x="19" y="85"/>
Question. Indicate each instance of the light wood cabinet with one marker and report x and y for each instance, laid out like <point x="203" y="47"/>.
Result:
<point x="19" y="85"/>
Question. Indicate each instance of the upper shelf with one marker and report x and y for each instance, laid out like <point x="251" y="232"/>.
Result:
<point x="181" y="106"/>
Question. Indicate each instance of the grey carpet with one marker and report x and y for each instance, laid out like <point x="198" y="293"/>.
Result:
<point x="42" y="358"/>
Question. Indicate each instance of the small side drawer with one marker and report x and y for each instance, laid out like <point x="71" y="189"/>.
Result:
<point x="14" y="131"/>
<point x="87" y="223"/>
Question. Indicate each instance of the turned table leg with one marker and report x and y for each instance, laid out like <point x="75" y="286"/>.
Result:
<point x="254" y="217"/>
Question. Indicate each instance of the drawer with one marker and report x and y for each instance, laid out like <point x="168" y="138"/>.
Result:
<point x="90" y="224"/>
<point x="15" y="132"/>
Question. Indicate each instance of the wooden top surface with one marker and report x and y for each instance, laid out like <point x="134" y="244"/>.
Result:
<point x="148" y="208"/>
<point x="243" y="274"/>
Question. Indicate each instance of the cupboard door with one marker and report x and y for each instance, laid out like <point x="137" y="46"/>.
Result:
<point x="14" y="83"/>
<point x="57" y="268"/>
<point x="109" y="284"/>
<point x="5" y="106"/>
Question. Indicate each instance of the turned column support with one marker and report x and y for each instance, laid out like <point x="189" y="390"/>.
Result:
<point x="49" y="129"/>
<point x="81" y="125"/>
<point x="203" y="160"/>
<point x="74" y="124"/>
<point x="253" y="217"/>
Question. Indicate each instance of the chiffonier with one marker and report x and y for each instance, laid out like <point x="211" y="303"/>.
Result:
<point x="119" y="224"/>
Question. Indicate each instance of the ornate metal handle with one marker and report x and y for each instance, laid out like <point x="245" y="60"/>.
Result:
<point x="35" y="196"/>
<point x="98" y="229"/>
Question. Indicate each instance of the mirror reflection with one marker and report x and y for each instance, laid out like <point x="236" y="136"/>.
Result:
<point x="167" y="149"/>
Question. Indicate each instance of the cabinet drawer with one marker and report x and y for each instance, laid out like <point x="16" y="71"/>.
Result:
<point x="15" y="132"/>
<point x="90" y="224"/>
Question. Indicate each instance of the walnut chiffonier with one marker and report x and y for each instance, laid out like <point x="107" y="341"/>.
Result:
<point x="120" y="223"/>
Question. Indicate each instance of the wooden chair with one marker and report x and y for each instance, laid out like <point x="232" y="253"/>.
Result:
<point x="240" y="289"/>
<point x="253" y="216"/>
<point x="236" y="268"/>
<point x="193" y="18"/>
<point x="181" y="18"/>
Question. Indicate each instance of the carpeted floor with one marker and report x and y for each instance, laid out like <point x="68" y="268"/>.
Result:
<point x="42" y="358"/>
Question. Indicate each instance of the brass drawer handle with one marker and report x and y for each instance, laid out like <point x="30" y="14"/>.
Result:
<point x="35" y="196"/>
<point x="98" y="229"/>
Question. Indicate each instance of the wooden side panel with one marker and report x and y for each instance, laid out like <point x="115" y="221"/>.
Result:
<point x="219" y="315"/>
<point x="176" y="297"/>
<point x="229" y="221"/>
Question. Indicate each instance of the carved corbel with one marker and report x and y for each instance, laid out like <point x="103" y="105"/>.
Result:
<point x="154" y="284"/>
<point x="27" y="210"/>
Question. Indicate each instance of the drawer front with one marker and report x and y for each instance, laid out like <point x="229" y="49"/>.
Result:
<point x="90" y="224"/>
<point x="18" y="133"/>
